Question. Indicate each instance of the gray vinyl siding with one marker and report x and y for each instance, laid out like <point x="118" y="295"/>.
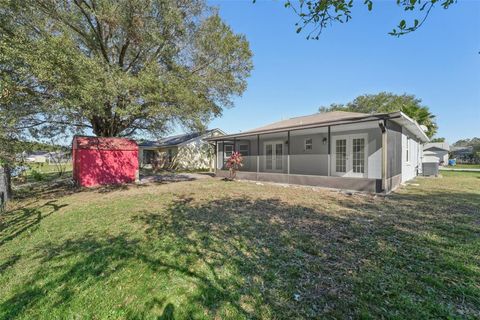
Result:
<point x="312" y="162"/>
<point x="410" y="168"/>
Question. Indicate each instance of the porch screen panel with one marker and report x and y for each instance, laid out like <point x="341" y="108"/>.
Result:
<point x="278" y="156"/>
<point x="358" y="155"/>
<point x="269" y="153"/>
<point x="341" y="155"/>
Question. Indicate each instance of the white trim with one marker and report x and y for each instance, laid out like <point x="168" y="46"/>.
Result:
<point x="408" y="152"/>
<point x="305" y="144"/>
<point x="225" y="157"/>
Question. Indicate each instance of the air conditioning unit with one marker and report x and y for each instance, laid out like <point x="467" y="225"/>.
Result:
<point x="430" y="169"/>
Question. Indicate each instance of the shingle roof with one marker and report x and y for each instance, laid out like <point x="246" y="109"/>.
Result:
<point x="102" y="143"/>
<point x="173" y="140"/>
<point x="437" y="146"/>
<point x="331" y="118"/>
<point x="315" y="118"/>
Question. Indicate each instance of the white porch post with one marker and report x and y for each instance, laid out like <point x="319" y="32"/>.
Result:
<point x="215" y="164"/>
<point x="288" y="152"/>
<point x="329" y="152"/>
<point x="258" y="154"/>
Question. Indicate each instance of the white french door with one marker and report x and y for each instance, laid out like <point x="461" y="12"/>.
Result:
<point x="349" y="155"/>
<point x="273" y="151"/>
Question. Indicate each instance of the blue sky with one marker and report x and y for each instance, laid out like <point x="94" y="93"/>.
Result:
<point x="292" y="76"/>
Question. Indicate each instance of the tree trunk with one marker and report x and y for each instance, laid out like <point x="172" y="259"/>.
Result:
<point x="5" y="187"/>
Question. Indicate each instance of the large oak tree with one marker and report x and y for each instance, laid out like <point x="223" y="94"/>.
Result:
<point x="118" y="67"/>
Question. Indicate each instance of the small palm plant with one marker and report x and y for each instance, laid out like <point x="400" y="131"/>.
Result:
<point x="234" y="163"/>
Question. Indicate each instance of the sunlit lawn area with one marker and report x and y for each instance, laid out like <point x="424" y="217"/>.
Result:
<point x="43" y="172"/>
<point x="465" y="166"/>
<point x="211" y="249"/>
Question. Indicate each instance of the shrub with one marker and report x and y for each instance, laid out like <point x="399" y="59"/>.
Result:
<point x="234" y="163"/>
<point x="36" y="175"/>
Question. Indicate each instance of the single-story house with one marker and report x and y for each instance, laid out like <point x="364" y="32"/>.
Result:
<point x="189" y="151"/>
<point x="436" y="152"/>
<point x="462" y="154"/>
<point x="47" y="157"/>
<point x="345" y="150"/>
<point x="37" y="157"/>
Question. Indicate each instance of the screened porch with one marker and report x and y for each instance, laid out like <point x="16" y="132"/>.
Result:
<point x="351" y="151"/>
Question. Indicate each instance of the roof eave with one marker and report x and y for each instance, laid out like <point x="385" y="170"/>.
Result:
<point x="411" y="125"/>
<point x="309" y="126"/>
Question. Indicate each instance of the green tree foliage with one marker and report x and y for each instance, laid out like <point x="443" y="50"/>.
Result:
<point x="117" y="67"/>
<point x="468" y="142"/>
<point x="474" y="143"/>
<point x="319" y="14"/>
<point x="437" y="140"/>
<point x="389" y="102"/>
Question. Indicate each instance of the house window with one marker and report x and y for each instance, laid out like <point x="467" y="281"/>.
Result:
<point x="148" y="156"/>
<point x="407" y="150"/>
<point x="228" y="150"/>
<point x="243" y="149"/>
<point x="308" y="144"/>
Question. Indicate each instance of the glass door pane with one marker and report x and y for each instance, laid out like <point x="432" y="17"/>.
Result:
<point x="278" y="156"/>
<point x="341" y="155"/>
<point x="358" y="155"/>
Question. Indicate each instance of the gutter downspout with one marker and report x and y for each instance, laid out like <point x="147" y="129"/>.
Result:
<point x="383" y="127"/>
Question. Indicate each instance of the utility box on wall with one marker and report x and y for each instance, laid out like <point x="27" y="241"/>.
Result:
<point x="104" y="161"/>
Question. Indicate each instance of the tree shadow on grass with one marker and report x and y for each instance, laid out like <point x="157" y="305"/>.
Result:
<point x="246" y="257"/>
<point x="15" y="222"/>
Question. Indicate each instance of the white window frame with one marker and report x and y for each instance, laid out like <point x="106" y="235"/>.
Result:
<point x="305" y="144"/>
<point x="247" y="151"/>
<point x="225" y="151"/>
<point x="407" y="151"/>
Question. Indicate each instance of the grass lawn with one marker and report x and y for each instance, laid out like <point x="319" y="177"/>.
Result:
<point x="465" y="166"/>
<point x="43" y="172"/>
<point x="49" y="168"/>
<point x="210" y="249"/>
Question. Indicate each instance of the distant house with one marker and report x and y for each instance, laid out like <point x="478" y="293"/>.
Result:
<point x="436" y="152"/>
<point x="343" y="150"/>
<point x="462" y="154"/>
<point x="37" y="157"/>
<point x="188" y="151"/>
<point x="47" y="157"/>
